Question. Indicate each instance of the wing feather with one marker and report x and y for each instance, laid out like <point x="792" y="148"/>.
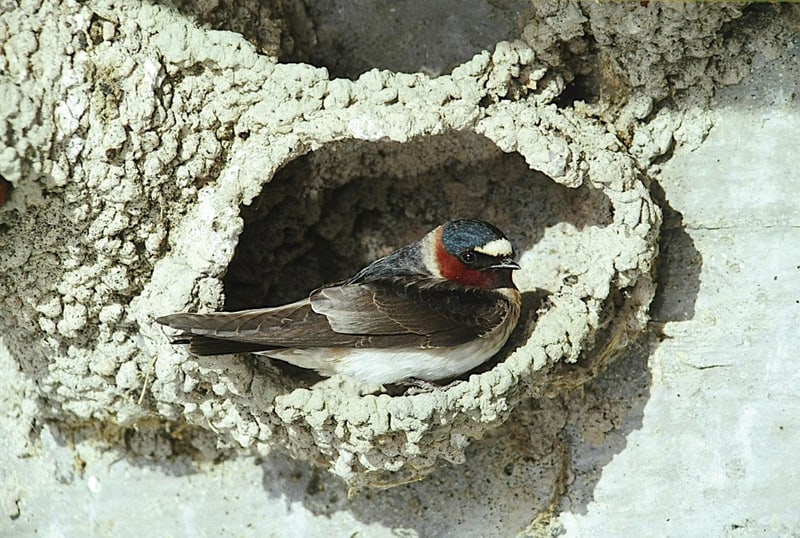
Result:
<point x="441" y="312"/>
<point x="447" y="313"/>
<point x="403" y="311"/>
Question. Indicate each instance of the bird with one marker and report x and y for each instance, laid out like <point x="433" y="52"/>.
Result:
<point x="429" y="311"/>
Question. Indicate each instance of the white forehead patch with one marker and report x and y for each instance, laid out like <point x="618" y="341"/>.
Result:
<point x="498" y="248"/>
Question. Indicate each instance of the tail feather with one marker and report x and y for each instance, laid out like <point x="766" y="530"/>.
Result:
<point x="204" y="345"/>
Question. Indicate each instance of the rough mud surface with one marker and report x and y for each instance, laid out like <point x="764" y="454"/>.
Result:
<point x="157" y="165"/>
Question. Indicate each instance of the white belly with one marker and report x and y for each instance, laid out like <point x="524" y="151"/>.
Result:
<point x="382" y="366"/>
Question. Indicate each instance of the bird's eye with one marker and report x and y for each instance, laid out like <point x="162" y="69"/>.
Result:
<point x="468" y="257"/>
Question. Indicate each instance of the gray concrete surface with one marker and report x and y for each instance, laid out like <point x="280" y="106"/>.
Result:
<point x="713" y="455"/>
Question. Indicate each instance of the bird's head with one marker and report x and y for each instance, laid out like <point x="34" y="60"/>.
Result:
<point x="471" y="253"/>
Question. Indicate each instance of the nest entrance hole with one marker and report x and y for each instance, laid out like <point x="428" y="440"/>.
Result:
<point x="330" y="212"/>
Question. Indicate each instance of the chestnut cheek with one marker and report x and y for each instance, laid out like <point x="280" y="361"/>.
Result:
<point x="489" y="280"/>
<point x="503" y="279"/>
<point x="469" y="277"/>
<point x="453" y="269"/>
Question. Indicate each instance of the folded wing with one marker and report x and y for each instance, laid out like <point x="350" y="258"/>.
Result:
<point x="407" y="312"/>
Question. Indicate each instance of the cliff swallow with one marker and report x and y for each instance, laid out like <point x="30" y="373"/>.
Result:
<point x="429" y="311"/>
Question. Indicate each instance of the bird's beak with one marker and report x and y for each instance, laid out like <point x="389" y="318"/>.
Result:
<point x="506" y="264"/>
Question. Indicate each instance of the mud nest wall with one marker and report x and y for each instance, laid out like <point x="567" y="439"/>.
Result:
<point x="162" y="157"/>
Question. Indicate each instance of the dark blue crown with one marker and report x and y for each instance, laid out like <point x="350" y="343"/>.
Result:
<point x="467" y="234"/>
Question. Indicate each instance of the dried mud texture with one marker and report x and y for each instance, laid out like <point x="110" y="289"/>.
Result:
<point x="644" y="46"/>
<point x="650" y="69"/>
<point x="158" y="167"/>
